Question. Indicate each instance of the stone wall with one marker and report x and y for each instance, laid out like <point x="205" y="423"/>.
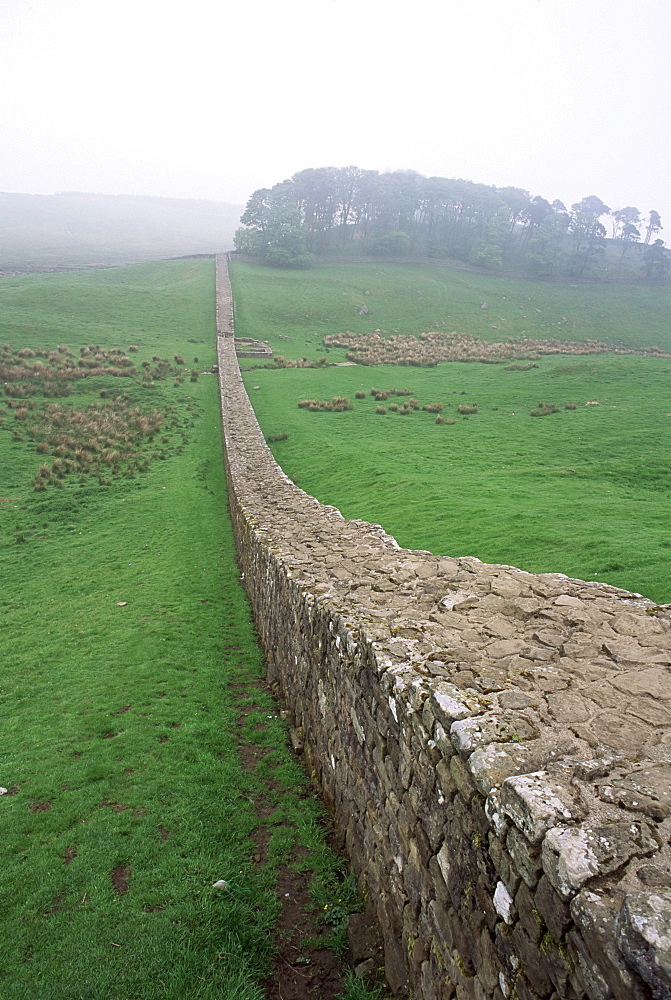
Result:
<point x="495" y="746"/>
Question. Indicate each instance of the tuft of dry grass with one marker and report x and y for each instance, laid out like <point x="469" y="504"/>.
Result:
<point x="429" y="349"/>
<point x="336" y="405"/>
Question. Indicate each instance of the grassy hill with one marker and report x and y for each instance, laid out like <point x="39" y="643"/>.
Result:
<point x="140" y="762"/>
<point x="582" y="491"/>
<point x="42" y="232"/>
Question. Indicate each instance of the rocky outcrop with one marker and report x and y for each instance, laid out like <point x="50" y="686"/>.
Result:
<point x="495" y="745"/>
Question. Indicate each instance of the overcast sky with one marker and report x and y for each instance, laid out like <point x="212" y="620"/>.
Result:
<point x="201" y="99"/>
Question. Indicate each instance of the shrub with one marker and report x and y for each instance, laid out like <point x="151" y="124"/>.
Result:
<point x="133" y="349"/>
<point x="433" y="407"/>
<point x="466" y="408"/>
<point x="544" y="409"/>
<point x="359" y="395"/>
<point x="393" y="407"/>
<point x="440" y="420"/>
<point x="380" y="409"/>
<point x="570" y="406"/>
<point x="179" y="360"/>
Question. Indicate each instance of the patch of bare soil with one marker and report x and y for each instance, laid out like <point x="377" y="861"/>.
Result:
<point x="301" y="972"/>
<point x="120" y="877"/>
<point x="39" y="807"/>
<point x="116" y="806"/>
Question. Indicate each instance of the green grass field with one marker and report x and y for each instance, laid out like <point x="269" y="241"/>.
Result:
<point x="125" y="639"/>
<point x="583" y="492"/>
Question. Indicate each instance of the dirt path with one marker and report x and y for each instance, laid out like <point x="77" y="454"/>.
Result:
<point x="301" y="969"/>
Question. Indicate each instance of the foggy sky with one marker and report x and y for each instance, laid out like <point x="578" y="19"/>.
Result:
<point x="214" y="99"/>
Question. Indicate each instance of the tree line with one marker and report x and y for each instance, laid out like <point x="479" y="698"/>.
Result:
<point x="349" y="211"/>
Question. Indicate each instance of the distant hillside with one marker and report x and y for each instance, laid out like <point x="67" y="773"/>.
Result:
<point x="61" y="231"/>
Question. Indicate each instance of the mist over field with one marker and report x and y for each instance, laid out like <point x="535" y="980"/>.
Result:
<point x="57" y="232"/>
<point x="563" y="98"/>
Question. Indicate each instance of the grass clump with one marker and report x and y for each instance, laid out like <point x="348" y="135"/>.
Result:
<point x="467" y="408"/>
<point x="336" y="405"/>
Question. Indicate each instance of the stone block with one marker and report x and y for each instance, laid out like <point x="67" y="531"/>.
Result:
<point x="647" y="789"/>
<point x="394" y="965"/>
<point x="526" y="856"/>
<point x="586" y="970"/>
<point x="485" y="902"/>
<point x="536" y="802"/>
<point x="486" y="960"/>
<point x="530" y="917"/>
<point x="462" y="778"/>
<point x="413" y="876"/>
<point x="574" y="855"/>
<point x="559" y="966"/>
<point x="503" y="865"/>
<point x="522" y="990"/>
<point x="554" y="911"/>
<point x="527" y="954"/>
<point x="364" y="936"/>
<point x="446" y="787"/>
<point x="504" y="904"/>
<point x="428" y="981"/>
<point x="644" y="938"/>
<point x="494" y="813"/>
<point x="594" y="916"/>
<point x="448" y="704"/>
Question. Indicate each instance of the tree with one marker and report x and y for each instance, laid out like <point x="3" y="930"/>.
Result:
<point x="547" y="247"/>
<point x="391" y="245"/>
<point x="592" y="206"/>
<point x="517" y="200"/>
<point x="654" y="225"/>
<point x="314" y="192"/>
<point x="656" y="263"/>
<point x="588" y="234"/>
<point x="489" y="250"/>
<point x="623" y="217"/>
<point x="271" y="228"/>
